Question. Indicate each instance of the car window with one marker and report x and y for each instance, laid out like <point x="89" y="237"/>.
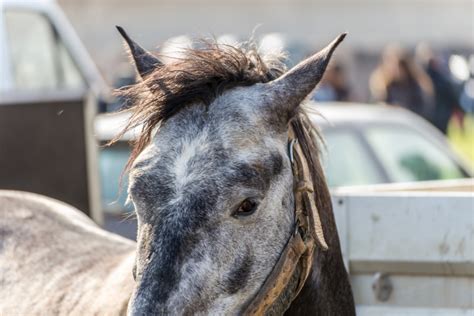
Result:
<point x="39" y="59"/>
<point x="346" y="161"/>
<point x="408" y="156"/>
<point x="112" y="161"/>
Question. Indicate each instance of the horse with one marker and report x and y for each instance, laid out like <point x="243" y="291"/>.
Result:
<point x="234" y="214"/>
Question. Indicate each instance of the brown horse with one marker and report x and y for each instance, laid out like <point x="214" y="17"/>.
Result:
<point x="220" y="213"/>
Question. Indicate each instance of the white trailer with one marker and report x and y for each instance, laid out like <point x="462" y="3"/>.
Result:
<point x="409" y="248"/>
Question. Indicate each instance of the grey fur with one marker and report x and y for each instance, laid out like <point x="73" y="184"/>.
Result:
<point x="229" y="156"/>
<point x="56" y="261"/>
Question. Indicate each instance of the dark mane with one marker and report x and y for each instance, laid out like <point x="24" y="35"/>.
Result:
<point x="200" y="76"/>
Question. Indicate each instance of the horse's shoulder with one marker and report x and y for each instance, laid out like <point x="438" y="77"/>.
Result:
<point x="19" y="205"/>
<point x="36" y="220"/>
<point x="47" y="244"/>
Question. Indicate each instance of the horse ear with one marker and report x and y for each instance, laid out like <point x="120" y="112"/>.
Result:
<point x="145" y="62"/>
<point x="299" y="81"/>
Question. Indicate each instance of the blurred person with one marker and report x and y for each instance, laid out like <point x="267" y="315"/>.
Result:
<point x="399" y="81"/>
<point x="446" y="99"/>
<point x="334" y="86"/>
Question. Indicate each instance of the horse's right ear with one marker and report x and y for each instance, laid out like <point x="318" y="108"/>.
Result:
<point x="145" y="62"/>
<point x="295" y="85"/>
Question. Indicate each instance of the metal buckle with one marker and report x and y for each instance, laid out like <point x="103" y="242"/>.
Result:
<point x="291" y="149"/>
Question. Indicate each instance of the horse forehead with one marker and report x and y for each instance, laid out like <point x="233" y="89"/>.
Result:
<point x="231" y="121"/>
<point x="209" y="151"/>
<point x="199" y="140"/>
<point x="185" y="153"/>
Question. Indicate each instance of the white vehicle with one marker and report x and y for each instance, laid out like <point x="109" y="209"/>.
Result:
<point x="369" y="144"/>
<point x="49" y="93"/>
<point x="40" y="51"/>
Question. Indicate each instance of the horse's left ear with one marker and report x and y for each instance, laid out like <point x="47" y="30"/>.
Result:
<point x="144" y="61"/>
<point x="299" y="81"/>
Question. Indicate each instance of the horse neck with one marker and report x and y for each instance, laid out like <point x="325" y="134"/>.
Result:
<point x="327" y="290"/>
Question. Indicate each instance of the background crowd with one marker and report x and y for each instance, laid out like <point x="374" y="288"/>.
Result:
<point x="421" y="82"/>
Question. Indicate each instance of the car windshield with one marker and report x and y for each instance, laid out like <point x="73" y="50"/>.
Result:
<point x="408" y="156"/>
<point x="347" y="161"/>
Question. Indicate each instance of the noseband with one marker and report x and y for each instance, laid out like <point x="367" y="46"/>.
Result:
<point x="299" y="250"/>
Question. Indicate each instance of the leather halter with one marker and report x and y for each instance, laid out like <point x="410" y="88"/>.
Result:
<point x="299" y="249"/>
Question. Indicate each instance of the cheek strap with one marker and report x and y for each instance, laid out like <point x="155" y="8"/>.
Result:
<point x="299" y="250"/>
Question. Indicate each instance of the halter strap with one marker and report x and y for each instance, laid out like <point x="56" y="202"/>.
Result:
<point x="299" y="249"/>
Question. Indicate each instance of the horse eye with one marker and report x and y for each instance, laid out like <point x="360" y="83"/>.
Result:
<point x="247" y="208"/>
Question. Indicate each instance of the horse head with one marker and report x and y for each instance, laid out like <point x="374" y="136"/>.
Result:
<point x="210" y="176"/>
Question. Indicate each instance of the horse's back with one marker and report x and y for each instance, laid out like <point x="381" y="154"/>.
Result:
<point x="54" y="260"/>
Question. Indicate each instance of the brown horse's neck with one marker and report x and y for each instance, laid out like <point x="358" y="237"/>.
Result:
<point x="326" y="292"/>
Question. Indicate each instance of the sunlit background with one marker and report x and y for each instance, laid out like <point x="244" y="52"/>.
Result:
<point x="395" y="108"/>
<point x="300" y="27"/>
<point x="412" y="54"/>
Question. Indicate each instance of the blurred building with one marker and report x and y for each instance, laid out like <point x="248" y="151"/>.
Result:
<point x="371" y="23"/>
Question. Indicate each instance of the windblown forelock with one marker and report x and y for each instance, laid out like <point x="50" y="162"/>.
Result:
<point x="199" y="76"/>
